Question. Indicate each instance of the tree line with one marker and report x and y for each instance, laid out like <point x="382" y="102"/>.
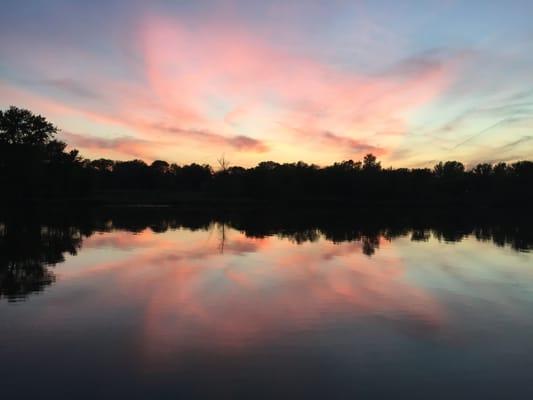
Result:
<point x="35" y="165"/>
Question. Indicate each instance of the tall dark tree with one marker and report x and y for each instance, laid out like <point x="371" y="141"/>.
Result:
<point x="32" y="161"/>
<point x="22" y="127"/>
<point x="370" y="163"/>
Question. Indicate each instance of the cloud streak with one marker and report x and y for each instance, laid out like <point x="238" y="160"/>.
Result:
<point x="71" y="87"/>
<point x="239" y="142"/>
<point x="124" y="145"/>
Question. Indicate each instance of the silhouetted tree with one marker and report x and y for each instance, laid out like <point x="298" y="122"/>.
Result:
<point x="484" y="170"/>
<point x="102" y="165"/>
<point x="32" y="161"/>
<point x="223" y="163"/>
<point x="449" y="169"/>
<point x="160" y="167"/>
<point x="370" y="163"/>
<point x="21" y="127"/>
<point x="34" y="164"/>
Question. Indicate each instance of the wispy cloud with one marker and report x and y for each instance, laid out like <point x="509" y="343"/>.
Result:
<point x="515" y="143"/>
<point x="123" y="145"/>
<point x="351" y="145"/>
<point x="70" y="86"/>
<point x="239" y="142"/>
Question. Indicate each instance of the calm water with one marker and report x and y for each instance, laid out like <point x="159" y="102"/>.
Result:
<point x="195" y="308"/>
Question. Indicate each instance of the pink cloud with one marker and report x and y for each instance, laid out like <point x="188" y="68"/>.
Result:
<point x="216" y="88"/>
<point x="189" y="68"/>
<point x="239" y="142"/>
<point x="121" y="145"/>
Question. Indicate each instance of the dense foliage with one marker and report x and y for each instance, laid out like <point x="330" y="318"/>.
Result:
<point x="35" y="165"/>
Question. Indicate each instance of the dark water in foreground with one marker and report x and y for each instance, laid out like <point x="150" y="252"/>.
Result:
<point x="195" y="307"/>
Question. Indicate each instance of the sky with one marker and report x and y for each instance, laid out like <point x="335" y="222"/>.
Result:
<point x="413" y="82"/>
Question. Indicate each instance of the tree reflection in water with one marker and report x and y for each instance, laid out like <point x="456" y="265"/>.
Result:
<point x="31" y="244"/>
<point x="27" y="251"/>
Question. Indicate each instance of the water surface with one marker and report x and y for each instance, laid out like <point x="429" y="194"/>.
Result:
<point x="196" y="308"/>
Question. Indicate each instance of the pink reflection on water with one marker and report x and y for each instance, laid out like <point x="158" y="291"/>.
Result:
<point x="193" y="296"/>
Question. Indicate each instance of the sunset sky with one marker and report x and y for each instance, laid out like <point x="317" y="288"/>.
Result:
<point x="413" y="82"/>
